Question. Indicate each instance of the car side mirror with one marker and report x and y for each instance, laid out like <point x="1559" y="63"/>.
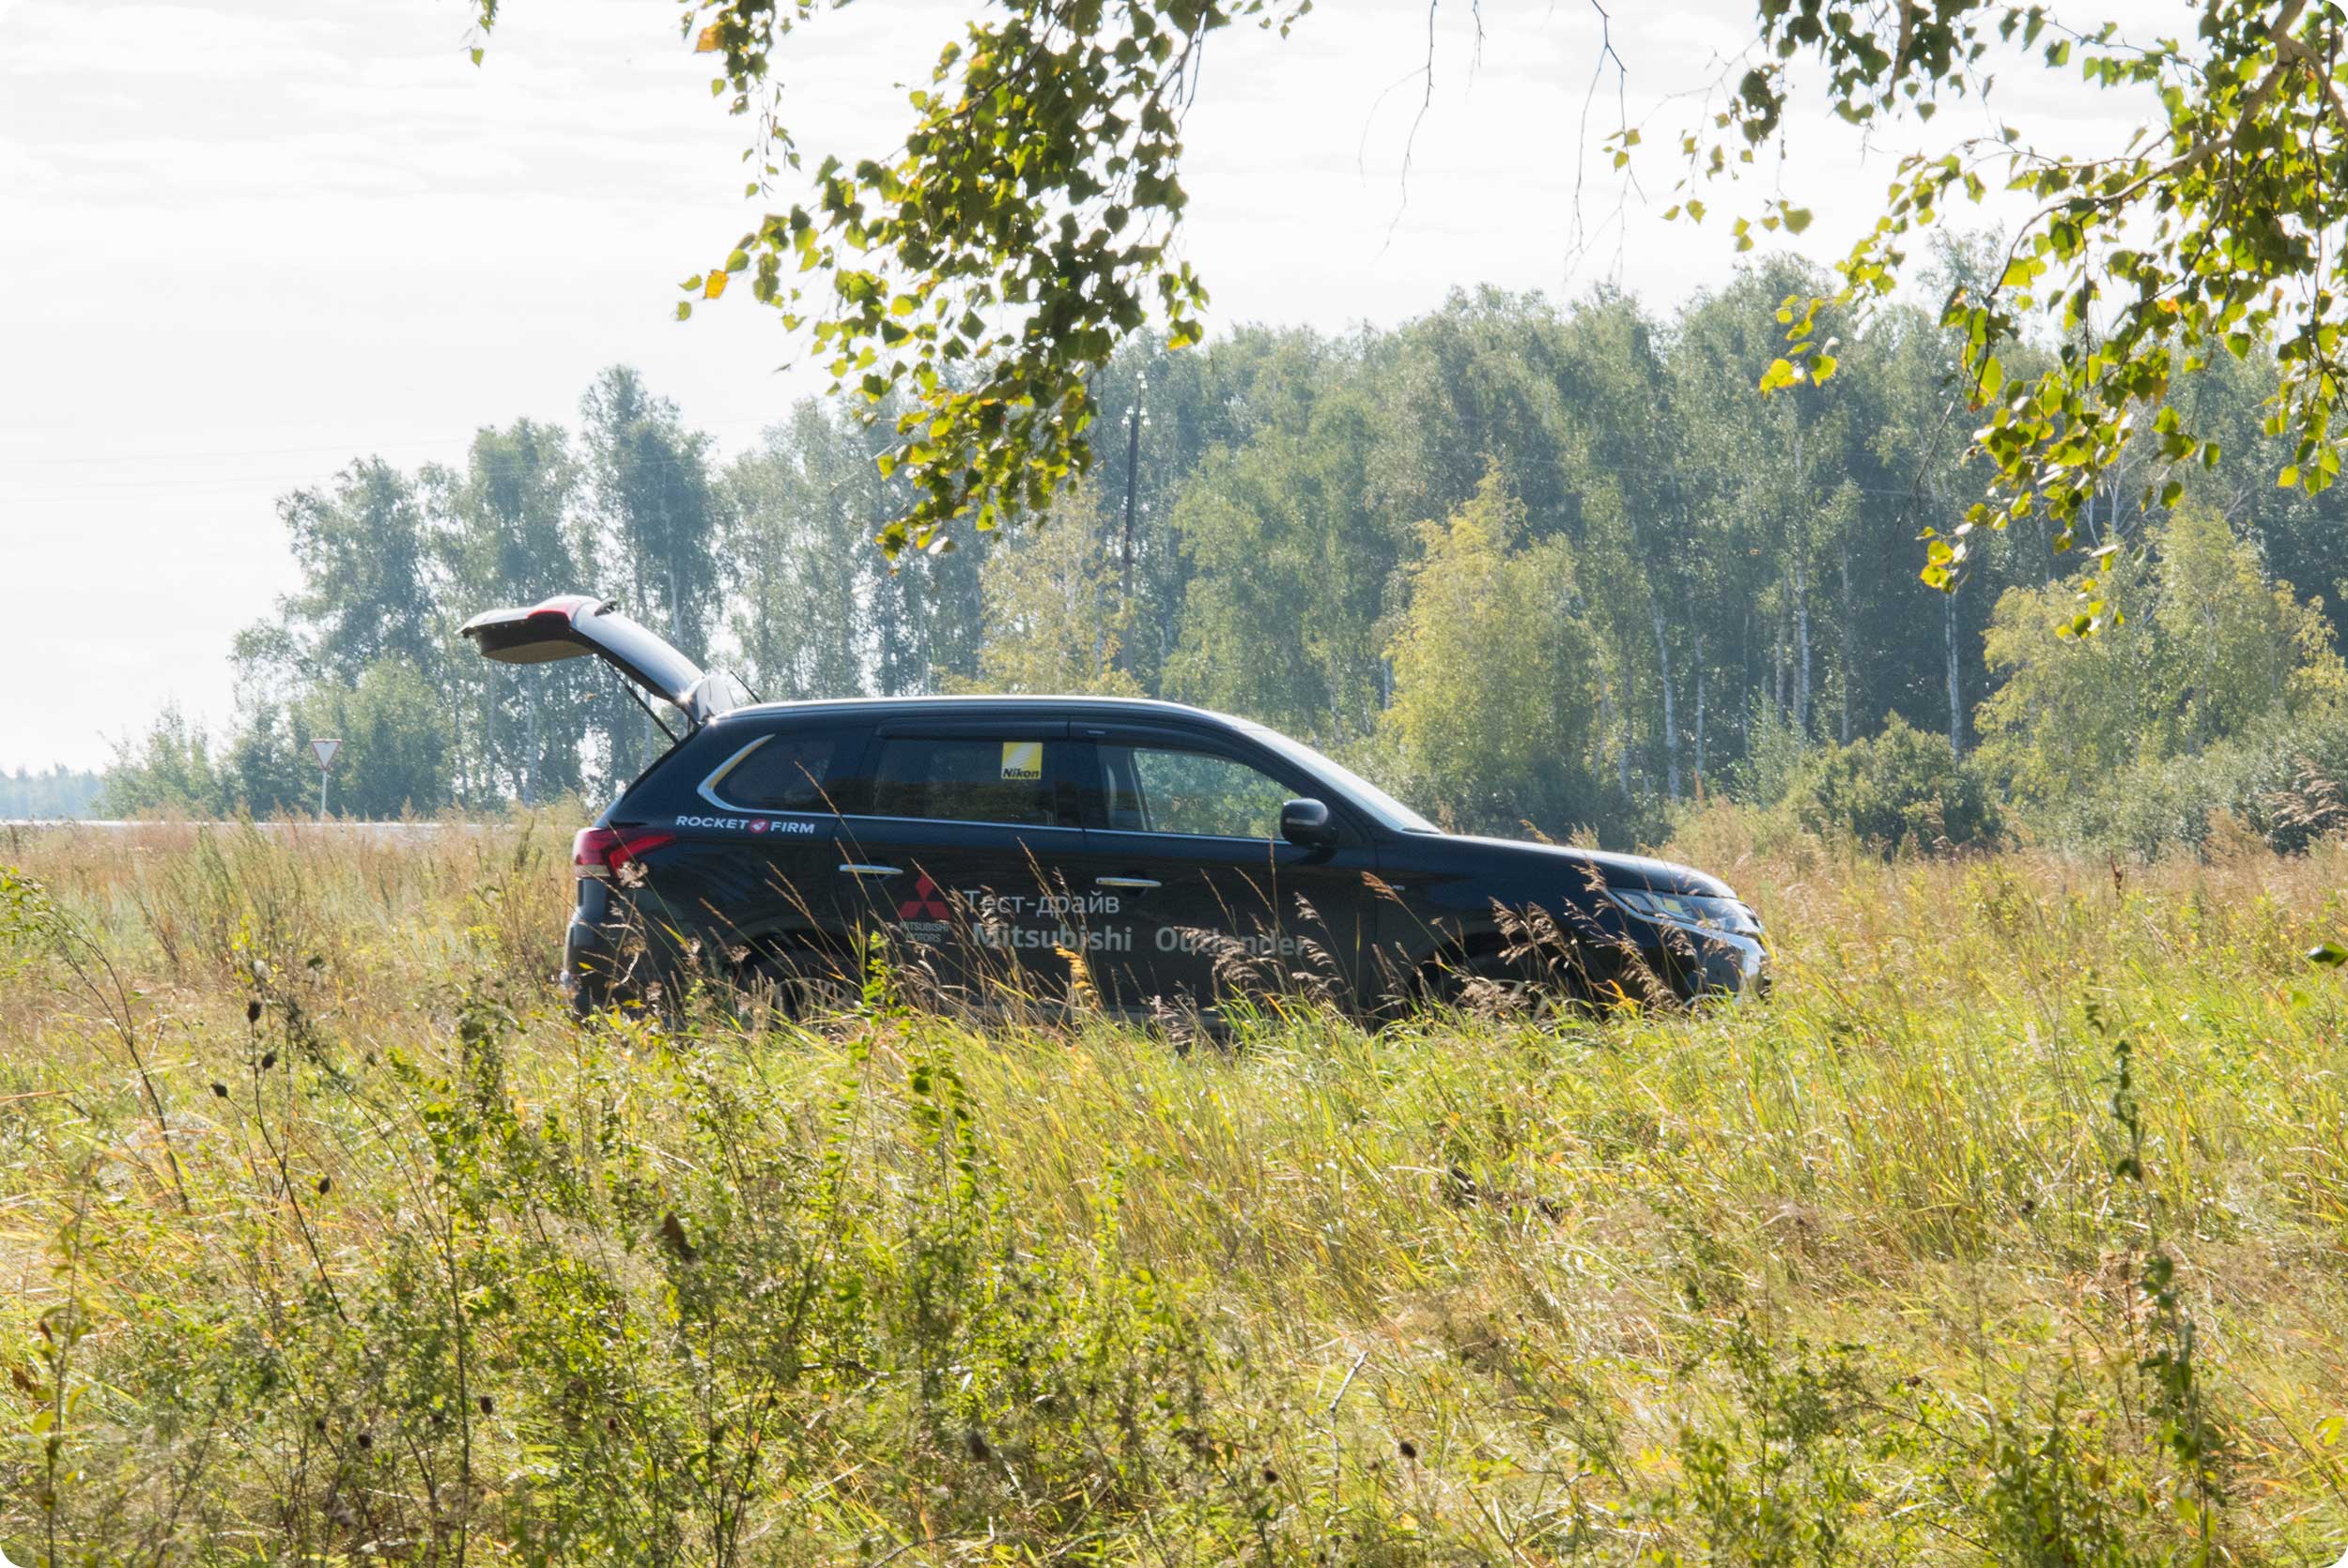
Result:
<point x="1308" y="823"/>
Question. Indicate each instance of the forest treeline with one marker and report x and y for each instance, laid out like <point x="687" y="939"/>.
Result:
<point x="60" y="791"/>
<point x="1532" y="565"/>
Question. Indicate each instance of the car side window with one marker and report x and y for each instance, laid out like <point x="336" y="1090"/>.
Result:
<point x="789" y="772"/>
<point x="965" y="778"/>
<point x="1153" y="789"/>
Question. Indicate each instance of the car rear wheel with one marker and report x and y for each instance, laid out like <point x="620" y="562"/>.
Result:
<point x="800" y="984"/>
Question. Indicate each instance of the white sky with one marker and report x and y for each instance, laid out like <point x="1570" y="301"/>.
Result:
<point x="243" y="241"/>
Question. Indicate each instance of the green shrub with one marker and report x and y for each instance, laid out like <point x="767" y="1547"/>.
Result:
<point x="2282" y="782"/>
<point x="1900" y="789"/>
<point x="2211" y="651"/>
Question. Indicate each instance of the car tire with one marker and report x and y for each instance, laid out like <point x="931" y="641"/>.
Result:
<point x="799" y="984"/>
<point x="1490" y="980"/>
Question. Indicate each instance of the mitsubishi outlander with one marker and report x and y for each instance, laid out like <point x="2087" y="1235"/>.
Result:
<point x="1154" y="855"/>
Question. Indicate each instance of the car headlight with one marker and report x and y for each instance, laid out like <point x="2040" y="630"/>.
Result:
<point x="1688" y="912"/>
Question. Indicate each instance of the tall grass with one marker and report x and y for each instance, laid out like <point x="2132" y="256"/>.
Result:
<point x="325" y="1234"/>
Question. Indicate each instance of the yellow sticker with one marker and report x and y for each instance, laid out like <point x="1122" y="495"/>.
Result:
<point x="1023" y="761"/>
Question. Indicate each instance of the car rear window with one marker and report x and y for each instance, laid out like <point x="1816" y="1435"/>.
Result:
<point x="795" y="772"/>
<point x="964" y="778"/>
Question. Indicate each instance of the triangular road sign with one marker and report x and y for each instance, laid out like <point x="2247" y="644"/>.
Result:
<point x="326" y="750"/>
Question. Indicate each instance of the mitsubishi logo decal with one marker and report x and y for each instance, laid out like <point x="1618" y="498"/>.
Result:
<point x="927" y="902"/>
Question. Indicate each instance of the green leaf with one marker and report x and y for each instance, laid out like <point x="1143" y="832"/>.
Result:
<point x="1797" y="219"/>
<point x="2330" y="955"/>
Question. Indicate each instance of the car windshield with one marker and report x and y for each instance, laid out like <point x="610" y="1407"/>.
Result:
<point x="1370" y="797"/>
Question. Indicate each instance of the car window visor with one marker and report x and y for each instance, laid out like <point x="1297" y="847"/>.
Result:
<point x="574" y="624"/>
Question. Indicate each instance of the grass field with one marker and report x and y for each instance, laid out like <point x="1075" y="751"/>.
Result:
<point x="326" y="1237"/>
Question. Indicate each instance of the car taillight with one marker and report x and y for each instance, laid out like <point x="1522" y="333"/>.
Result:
<point x="599" y="852"/>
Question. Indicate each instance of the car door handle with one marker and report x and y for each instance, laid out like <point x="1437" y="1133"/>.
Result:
<point x="1125" y="882"/>
<point x="858" y="868"/>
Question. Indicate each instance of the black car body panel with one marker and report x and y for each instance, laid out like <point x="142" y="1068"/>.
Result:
<point x="1156" y="856"/>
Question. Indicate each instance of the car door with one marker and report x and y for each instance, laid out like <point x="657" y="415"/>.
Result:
<point x="769" y="820"/>
<point x="1196" y="889"/>
<point x="958" y="848"/>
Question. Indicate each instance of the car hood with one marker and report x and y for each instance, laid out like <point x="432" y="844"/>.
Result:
<point x="1576" y="867"/>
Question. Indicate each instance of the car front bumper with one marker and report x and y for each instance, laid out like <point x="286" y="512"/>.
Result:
<point x="1711" y="964"/>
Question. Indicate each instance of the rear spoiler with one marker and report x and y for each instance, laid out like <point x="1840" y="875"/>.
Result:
<point x="573" y="625"/>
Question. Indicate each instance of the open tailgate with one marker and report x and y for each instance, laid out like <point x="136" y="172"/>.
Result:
<point x="572" y="624"/>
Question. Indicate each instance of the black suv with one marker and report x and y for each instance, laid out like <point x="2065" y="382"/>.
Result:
<point x="1156" y="856"/>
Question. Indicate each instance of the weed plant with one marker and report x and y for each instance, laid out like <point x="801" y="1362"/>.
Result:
<point x="2009" y="1228"/>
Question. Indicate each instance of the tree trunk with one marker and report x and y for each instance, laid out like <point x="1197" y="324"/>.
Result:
<point x="1630" y="717"/>
<point x="1802" y="637"/>
<point x="668" y="537"/>
<point x="1848" y="668"/>
<point x="1744" y="673"/>
<point x="1133" y="475"/>
<point x="488" y="738"/>
<point x="1781" y="700"/>
<point x="1956" y="680"/>
<point x="1101" y="629"/>
<point x="1605" y="708"/>
<point x="1699" y="631"/>
<point x="1671" y="726"/>
<point x="637" y="734"/>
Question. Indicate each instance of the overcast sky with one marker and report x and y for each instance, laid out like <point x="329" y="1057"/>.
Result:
<point x="243" y="241"/>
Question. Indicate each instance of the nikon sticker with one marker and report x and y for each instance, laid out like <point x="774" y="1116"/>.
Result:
<point x="1023" y="762"/>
